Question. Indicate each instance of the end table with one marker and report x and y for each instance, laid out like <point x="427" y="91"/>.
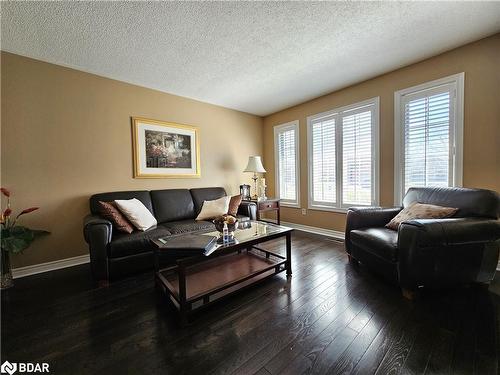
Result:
<point x="268" y="204"/>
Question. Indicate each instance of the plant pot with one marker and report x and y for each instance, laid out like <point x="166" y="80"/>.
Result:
<point x="6" y="276"/>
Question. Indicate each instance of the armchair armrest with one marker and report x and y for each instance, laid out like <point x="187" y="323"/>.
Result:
<point x="446" y="251"/>
<point x="248" y="209"/>
<point x="98" y="233"/>
<point x="367" y="217"/>
<point x="448" y="232"/>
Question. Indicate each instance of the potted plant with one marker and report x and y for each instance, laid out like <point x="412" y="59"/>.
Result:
<point x="14" y="238"/>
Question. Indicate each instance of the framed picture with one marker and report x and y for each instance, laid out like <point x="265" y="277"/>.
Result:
<point x="165" y="149"/>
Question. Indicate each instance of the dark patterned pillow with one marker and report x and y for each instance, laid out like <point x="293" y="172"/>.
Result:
<point x="420" y="211"/>
<point x="234" y="204"/>
<point x="109" y="211"/>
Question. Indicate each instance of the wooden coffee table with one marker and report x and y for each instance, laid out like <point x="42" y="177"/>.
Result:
<point x="195" y="282"/>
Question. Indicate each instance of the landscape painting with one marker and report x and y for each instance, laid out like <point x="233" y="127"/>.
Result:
<point x="165" y="149"/>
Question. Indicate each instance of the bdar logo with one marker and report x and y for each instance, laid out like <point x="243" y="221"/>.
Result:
<point x="8" y="367"/>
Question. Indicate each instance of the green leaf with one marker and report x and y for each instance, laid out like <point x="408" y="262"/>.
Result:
<point x="18" y="238"/>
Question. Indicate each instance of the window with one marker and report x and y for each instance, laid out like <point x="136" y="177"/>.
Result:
<point x="286" y="146"/>
<point x="343" y="157"/>
<point x="428" y="135"/>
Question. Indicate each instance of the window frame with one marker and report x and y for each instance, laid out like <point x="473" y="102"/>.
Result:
<point x="337" y="114"/>
<point x="292" y="125"/>
<point x="456" y="131"/>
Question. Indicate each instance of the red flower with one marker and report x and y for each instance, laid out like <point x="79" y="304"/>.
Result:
<point x="28" y="210"/>
<point x="5" y="192"/>
<point x="7" y="212"/>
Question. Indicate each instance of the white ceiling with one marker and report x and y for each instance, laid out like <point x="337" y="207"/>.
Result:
<point x="257" y="57"/>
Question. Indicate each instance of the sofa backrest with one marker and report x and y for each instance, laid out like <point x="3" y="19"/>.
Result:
<point x="470" y="202"/>
<point x="142" y="195"/>
<point x="172" y="205"/>
<point x="166" y="205"/>
<point x="205" y="194"/>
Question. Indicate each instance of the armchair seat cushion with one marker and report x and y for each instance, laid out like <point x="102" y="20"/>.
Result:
<point x="124" y="244"/>
<point x="185" y="226"/>
<point x="382" y="242"/>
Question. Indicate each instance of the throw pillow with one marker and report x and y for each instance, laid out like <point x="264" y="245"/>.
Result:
<point x="234" y="204"/>
<point x="420" y="211"/>
<point x="109" y="211"/>
<point x="213" y="209"/>
<point x="137" y="213"/>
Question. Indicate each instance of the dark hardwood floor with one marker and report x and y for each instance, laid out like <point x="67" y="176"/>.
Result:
<point x="328" y="318"/>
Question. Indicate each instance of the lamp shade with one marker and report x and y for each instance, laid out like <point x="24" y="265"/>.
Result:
<point x="255" y="165"/>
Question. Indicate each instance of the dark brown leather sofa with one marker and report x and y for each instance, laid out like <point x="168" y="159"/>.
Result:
<point x="114" y="255"/>
<point x="430" y="252"/>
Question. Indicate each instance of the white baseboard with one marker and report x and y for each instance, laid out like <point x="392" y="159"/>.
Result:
<point x="49" y="266"/>
<point x="316" y="230"/>
<point x="82" y="259"/>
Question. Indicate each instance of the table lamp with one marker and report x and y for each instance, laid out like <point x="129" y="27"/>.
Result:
<point x="255" y="165"/>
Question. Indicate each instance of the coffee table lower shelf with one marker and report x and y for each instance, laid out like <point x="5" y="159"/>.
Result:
<point x="203" y="283"/>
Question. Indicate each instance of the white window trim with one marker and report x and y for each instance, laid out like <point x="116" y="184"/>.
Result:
<point x="277" y="129"/>
<point x="338" y="207"/>
<point x="458" y="133"/>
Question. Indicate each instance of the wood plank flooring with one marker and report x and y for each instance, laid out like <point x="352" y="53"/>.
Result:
<point x="328" y="318"/>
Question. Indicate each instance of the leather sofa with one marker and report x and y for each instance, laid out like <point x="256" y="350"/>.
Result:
<point x="429" y="252"/>
<point x="114" y="254"/>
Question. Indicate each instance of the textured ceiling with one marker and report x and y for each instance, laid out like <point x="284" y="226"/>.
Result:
<point x="257" y="57"/>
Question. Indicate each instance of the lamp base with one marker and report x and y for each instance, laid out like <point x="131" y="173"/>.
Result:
<point x="255" y="178"/>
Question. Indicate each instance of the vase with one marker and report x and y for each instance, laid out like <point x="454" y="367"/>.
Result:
<point x="6" y="276"/>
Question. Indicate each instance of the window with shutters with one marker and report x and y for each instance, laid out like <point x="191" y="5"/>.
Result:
<point x="286" y="146"/>
<point x="343" y="157"/>
<point x="428" y="135"/>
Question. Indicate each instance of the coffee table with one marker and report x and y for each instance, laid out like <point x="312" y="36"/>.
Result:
<point x="195" y="282"/>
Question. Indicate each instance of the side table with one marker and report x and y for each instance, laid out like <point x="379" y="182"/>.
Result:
<point x="269" y="204"/>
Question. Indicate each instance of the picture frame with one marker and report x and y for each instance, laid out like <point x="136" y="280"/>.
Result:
<point x="164" y="149"/>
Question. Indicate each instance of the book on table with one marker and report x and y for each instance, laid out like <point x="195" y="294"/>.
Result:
<point x="195" y="243"/>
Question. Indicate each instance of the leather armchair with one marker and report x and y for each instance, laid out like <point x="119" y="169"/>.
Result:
<point x="430" y="252"/>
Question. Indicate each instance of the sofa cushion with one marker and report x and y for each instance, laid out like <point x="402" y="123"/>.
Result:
<point x="172" y="205"/>
<point x="113" y="214"/>
<point x="420" y="211"/>
<point x="205" y="194"/>
<point x="185" y="226"/>
<point x="141" y="195"/>
<point x="234" y="204"/>
<point x="382" y="242"/>
<point x="137" y="213"/>
<point x="124" y="244"/>
<point x="213" y="209"/>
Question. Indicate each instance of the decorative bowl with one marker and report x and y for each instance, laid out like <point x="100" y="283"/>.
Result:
<point x="219" y="224"/>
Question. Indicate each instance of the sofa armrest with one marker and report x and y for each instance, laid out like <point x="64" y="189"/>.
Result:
<point x="448" y="232"/>
<point x="367" y="217"/>
<point x="98" y="233"/>
<point x="249" y="209"/>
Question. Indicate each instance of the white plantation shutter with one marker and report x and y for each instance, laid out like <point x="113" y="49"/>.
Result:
<point x="342" y="156"/>
<point x="357" y="158"/>
<point x="323" y="161"/>
<point x="428" y="135"/>
<point x="427" y="140"/>
<point x="286" y="145"/>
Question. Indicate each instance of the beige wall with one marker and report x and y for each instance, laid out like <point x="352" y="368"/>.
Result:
<point x="481" y="63"/>
<point x="67" y="134"/>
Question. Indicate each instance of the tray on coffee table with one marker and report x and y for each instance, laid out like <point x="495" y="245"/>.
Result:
<point x="197" y="281"/>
